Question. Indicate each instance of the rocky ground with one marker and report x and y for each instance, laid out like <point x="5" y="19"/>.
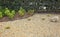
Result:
<point x="38" y="25"/>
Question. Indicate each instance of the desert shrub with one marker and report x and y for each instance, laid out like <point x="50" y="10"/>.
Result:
<point x="21" y="11"/>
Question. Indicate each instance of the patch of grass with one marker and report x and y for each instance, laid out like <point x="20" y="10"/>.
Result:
<point x="7" y="27"/>
<point x="48" y="15"/>
<point x="43" y="18"/>
<point x="29" y="19"/>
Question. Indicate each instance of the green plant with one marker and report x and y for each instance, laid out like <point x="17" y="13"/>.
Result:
<point x="29" y="19"/>
<point x="13" y="12"/>
<point x="31" y="11"/>
<point x="43" y="18"/>
<point x="9" y="13"/>
<point x="48" y="15"/>
<point x="7" y="27"/>
<point x="21" y="11"/>
<point x="1" y="14"/>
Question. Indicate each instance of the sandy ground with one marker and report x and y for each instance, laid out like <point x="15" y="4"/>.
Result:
<point x="36" y="27"/>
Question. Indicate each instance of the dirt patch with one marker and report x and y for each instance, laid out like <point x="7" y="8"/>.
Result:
<point x="32" y="26"/>
<point x="16" y="17"/>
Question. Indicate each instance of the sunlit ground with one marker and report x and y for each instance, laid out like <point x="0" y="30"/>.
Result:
<point x="38" y="25"/>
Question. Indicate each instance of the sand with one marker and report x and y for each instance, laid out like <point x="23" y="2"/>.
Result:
<point x="35" y="27"/>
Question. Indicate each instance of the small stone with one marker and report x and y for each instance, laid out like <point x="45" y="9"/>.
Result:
<point x="54" y="19"/>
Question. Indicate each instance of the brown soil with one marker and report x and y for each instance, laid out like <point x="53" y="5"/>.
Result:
<point x="16" y="17"/>
<point x="32" y="26"/>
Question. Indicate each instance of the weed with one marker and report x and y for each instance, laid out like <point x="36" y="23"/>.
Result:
<point x="7" y="27"/>
<point x="21" y="11"/>
<point x="43" y="18"/>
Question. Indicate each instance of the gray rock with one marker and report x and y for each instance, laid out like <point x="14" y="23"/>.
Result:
<point x="54" y="19"/>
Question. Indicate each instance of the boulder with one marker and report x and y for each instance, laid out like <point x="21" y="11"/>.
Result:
<point x="54" y="19"/>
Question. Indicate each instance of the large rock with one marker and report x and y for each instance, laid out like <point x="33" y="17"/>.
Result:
<point x="54" y="19"/>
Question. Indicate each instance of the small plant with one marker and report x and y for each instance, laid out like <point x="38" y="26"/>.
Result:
<point x="29" y="19"/>
<point x="43" y="18"/>
<point x="9" y="14"/>
<point x="21" y="11"/>
<point x="7" y="11"/>
<point x="30" y="12"/>
<point x="7" y="27"/>
<point x="1" y="14"/>
<point x="49" y="15"/>
<point x="13" y="12"/>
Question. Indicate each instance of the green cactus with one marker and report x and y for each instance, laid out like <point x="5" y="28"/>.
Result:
<point x="9" y="13"/>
